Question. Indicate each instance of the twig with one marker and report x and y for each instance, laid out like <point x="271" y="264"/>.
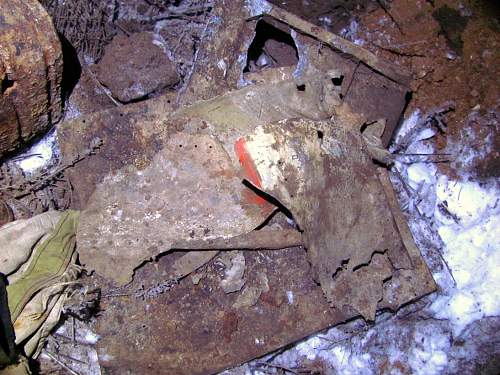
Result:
<point x="177" y="12"/>
<point x="115" y="295"/>
<point x="73" y="330"/>
<point x="447" y="267"/>
<point x="69" y="340"/>
<point x="195" y="58"/>
<point x="64" y="366"/>
<point x="286" y="369"/>
<point x="72" y="359"/>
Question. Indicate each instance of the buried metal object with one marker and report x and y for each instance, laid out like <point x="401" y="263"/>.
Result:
<point x="170" y="178"/>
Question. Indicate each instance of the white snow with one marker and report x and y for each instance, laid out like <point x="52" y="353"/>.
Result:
<point x="351" y="32"/>
<point x="290" y="297"/>
<point x="40" y="155"/>
<point x="472" y="251"/>
<point x="90" y="337"/>
<point x="428" y="353"/>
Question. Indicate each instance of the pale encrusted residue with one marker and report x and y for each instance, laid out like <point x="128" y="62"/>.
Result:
<point x="41" y="156"/>
<point x="257" y="7"/>
<point x="303" y="62"/>
<point x="221" y="64"/>
<point x="235" y="270"/>
<point x="266" y="158"/>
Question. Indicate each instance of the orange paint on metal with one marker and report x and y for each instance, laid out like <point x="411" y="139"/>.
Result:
<point x="250" y="172"/>
<point x="247" y="163"/>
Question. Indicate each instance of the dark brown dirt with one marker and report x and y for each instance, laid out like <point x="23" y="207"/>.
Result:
<point x="453" y="52"/>
<point x="452" y="49"/>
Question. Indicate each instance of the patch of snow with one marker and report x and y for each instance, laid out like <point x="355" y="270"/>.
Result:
<point x="71" y="111"/>
<point x="351" y="32"/>
<point x="90" y="337"/>
<point x="407" y="126"/>
<point x="80" y="355"/>
<point x="325" y="20"/>
<point x="466" y="217"/>
<point x="472" y="251"/>
<point x="42" y="154"/>
<point x="428" y="354"/>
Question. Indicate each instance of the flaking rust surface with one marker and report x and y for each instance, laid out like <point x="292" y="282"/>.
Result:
<point x="198" y="329"/>
<point x="195" y="329"/>
<point x="189" y="191"/>
<point x="324" y="175"/>
<point x="131" y="135"/>
<point x="31" y="68"/>
<point x="371" y="86"/>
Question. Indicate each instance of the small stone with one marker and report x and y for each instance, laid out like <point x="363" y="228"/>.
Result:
<point x="136" y="66"/>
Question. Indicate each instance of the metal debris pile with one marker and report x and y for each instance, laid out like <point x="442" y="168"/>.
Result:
<point x="248" y="209"/>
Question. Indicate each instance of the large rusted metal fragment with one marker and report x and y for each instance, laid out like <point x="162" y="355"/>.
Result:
<point x="324" y="175"/>
<point x="372" y="86"/>
<point x="310" y="167"/>
<point x="290" y="136"/>
<point x="189" y="191"/>
<point x="134" y="133"/>
<point x="31" y="67"/>
<point x="199" y="329"/>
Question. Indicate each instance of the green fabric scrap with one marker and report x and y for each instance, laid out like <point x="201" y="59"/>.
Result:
<point x="51" y="260"/>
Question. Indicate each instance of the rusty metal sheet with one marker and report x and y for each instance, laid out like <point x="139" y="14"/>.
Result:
<point x="324" y="175"/>
<point x="132" y="135"/>
<point x="374" y="87"/>
<point x="197" y="329"/>
<point x="119" y="211"/>
<point x="189" y="191"/>
<point x="186" y="324"/>
<point x="318" y="167"/>
<point x="31" y="67"/>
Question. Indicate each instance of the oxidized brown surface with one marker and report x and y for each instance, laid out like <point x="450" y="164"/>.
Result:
<point x="194" y="329"/>
<point x="370" y="86"/>
<point x="131" y="135"/>
<point x="320" y="170"/>
<point x="198" y="329"/>
<point x="191" y="190"/>
<point x="31" y="67"/>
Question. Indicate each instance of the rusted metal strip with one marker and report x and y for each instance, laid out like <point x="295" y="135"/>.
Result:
<point x="395" y="73"/>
